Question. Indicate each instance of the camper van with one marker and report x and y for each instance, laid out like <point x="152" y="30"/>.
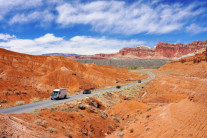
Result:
<point x="59" y="94"/>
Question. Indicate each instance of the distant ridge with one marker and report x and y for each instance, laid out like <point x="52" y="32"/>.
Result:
<point x="59" y="54"/>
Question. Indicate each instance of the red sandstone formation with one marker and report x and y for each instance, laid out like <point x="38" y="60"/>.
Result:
<point x="137" y="52"/>
<point x="168" y="50"/>
<point x="161" y="51"/>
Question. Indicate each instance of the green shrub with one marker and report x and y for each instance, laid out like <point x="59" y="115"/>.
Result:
<point x="19" y="103"/>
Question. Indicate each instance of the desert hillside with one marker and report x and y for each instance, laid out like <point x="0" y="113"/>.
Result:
<point x="176" y="101"/>
<point x="174" y="104"/>
<point x="24" y="77"/>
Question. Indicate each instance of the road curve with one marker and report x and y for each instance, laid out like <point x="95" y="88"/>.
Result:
<point x="47" y="103"/>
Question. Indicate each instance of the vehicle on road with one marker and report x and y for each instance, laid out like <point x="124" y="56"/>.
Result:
<point x="118" y="86"/>
<point x="87" y="91"/>
<point x="59" y="94"/>
<point x="139" y="81"/>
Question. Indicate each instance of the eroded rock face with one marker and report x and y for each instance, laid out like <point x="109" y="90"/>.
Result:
<point x="139" y="52"/>
<point x="168" y="50"/>
<point x="161" y="51"/>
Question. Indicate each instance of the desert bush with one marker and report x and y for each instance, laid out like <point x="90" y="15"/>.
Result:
<point x="17" y="93"/>
<point x="148" y="109"/>
<point x="63" y="109"/>
<point x="4" y="101"/>
<point x="35" y="100"/>
<point x="111" y="127"/>
<point x="19" y="103"/>
<point x="120" y="134"/>
<point x="6" y="93"/>
<point x="37" y="122"/>
<point x="81" y="106"/>
<point x="70" y="115"/>
<point x="52" y="130"/>
<point x="121" y="128"/>
<point x="84" y="131"/>
<point x="43" y="124"/>
<point x="148" y="116"/>
<point x="68" y="134"/>
<point x="24" y="92"/>
<point x="131" y="130"/>
<point x="72" y="109"/>
<point x="116" y="119"/>
<point x="53" y="107"/>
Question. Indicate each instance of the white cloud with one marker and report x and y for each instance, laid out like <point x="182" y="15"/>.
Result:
<point x="195" y="29"/>
<point x="118" y="17"/>
<point x="6" y="36"/>
<point x="15" y="5"/>
<point x="42" y="16"/>
<point x="78" y="44"/>
<point x="48" y="38"/>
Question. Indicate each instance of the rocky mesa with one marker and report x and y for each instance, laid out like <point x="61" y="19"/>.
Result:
<point x="160" y="51"/>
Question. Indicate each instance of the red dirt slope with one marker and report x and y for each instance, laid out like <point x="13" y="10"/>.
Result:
<point x="177" y="98"/>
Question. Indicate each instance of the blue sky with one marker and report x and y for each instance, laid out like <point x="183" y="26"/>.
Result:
<point x="89" y="27"/>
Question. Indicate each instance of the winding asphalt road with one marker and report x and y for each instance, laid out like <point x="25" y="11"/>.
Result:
<point x="48" y="103"/>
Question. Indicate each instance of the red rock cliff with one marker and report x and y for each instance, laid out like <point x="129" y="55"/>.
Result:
<point x="161" y="51"/>
<point x="168" y="50"/>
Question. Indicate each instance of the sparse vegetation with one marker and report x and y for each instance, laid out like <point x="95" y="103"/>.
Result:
<point x="131" y="130"/>
<point x="131" y="63"/>
<point x="111" y="127"/>
<point x="24" y="92"/>
<point x="68" y="134"/>
<point x="17" y="93"/>
<point x="148" y="116"/>
<point x="52" y="130"/>
<point x="43" y="124"/>
<point x="4" y="101"/>
<point x="81" y="106"/>
<point x="34" y="100"/>
<point x="6" y="93"/>
<point x="120" y="134"/>
<point x="70" y="115"/>
<point x="121" y="128"/>
<point x="37" y="122"/>
<point x="53" y="107"/>
<point x="148" y="109"/>
<point x="19" y="103"/>
<point x="116" y="119"/>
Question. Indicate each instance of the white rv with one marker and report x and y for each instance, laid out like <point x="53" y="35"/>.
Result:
<point x="59" y="94"/>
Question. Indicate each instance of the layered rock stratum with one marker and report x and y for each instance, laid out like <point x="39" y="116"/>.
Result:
<point x="160" y="51"/>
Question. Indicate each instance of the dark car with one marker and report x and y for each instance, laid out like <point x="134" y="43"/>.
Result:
<point x="139" y="81"/>
<point x="118" y="87"/>
<point x="87" y="91"/>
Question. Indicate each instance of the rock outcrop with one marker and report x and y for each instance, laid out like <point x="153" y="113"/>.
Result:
<point x="170" y="51"/>
<point x="161" y="51"/>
